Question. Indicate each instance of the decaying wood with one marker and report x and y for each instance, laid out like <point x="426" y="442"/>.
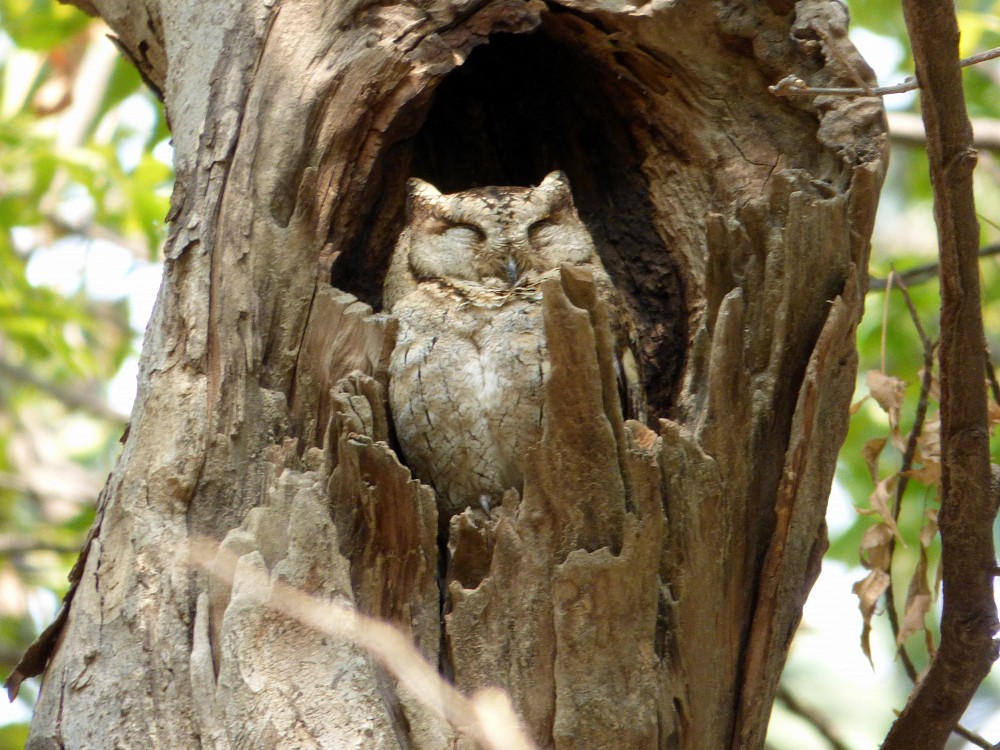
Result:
<point x="374" y="548"/>
<point x="567" y="610"/>
<point x="643" y="591"/>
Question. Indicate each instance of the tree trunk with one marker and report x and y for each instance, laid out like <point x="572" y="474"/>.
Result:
<point x="644" y="590"/>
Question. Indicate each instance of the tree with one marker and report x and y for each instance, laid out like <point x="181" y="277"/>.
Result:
<point x="71" y="181"/>
<point x="738" y="225"/>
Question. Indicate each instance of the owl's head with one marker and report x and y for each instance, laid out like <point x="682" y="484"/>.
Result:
<point x="500" y="237"/>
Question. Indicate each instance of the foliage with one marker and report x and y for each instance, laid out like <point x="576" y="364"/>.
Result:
<point x="71" y="186"/>
<point x="892" y="354"/>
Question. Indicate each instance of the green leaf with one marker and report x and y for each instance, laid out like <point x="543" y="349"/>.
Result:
<point x="40" y="24"/>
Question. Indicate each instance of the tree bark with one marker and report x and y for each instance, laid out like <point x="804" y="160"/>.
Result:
<point x="644" y="590"/>
<point x="968" y="502"/>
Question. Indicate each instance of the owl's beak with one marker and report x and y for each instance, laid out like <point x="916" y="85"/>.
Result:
<point x="513" y="274"/>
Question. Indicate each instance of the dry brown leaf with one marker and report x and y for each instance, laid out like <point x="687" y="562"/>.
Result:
<point x="917" y="607"/>
<point x="927" y="533"/>
<point x="918" y="601"/>
<point x="934" y="392"/>
<point x="879" y="502"/>
<point x="993" y="411"/>
<point x="874" y="550"/>
<point x="857" y="405"/>
<point x="871" y="452"/>
<point x="887" y="390"/>
<point x="869" y="590"/>
<point x="930" y="528"/>
<point x="929" y="440"/>
<point x="929" y="474"/>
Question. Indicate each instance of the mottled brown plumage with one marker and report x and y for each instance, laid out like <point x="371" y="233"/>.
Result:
<point x="467" y="373"/>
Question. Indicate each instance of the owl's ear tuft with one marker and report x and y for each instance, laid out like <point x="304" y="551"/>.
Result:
<point x="556" y="187"/>
<point x="417" y="188"/>
<point x="418" y="191"/>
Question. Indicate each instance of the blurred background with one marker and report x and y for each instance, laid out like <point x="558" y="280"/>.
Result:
<point x="85" y="179"/>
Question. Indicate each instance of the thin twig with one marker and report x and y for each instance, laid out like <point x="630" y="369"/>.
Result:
<point x="979" y="57"/>
<point x="907" y="128"/>
<point x="14" y="544"/>
<point x="907" y="464"/>
<point x="73" y="398"/>
<point x="486" y="718"/>
<point x="926" y="272"/>
<point x="925" y="342"/>
<point x="813" y="718"/>
<point x="974" y="738"/>
<point x="969" y="615"/>
<point x="792" y="85"/>
<point x="885" y="320"/>
<point x="91" y="231"/>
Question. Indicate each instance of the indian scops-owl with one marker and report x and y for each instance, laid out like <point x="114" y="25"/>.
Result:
<point x="466" y="377"/>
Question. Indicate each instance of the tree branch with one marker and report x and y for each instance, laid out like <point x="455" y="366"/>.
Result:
<point x="15" y="544"/>
<point x="974" y="738"/>
<point x="906" y="465"/>
<point x="72" y="398"/>
<point x="908" y="128"/>
<point x="486" y="717"/>
<point x="813" y="718"/>
<point x="969" y="618"/>
<point x="923" y="273"/>
<point x="792" y="85"/>
<point x="91" y="230"/>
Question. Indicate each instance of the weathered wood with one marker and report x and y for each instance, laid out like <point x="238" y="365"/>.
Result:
<point x="269" y="681"/>
<point x="643" y="590"/>
<point x="572" y="565"/>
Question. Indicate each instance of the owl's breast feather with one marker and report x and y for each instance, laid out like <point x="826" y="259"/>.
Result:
<point x="466" y="393"/>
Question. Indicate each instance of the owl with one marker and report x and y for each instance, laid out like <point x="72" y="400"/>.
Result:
<point x="467" y="374"/>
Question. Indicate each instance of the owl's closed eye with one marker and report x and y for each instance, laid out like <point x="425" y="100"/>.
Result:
<point x="447" y="251"/>
<point x="562" y="240"/>
<point x="464" y="234"/>
<point x="468" y="371"/>
<point x="495" y="236"/>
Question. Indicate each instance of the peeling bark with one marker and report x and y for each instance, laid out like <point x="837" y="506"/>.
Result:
<point x="643" y="591"/>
